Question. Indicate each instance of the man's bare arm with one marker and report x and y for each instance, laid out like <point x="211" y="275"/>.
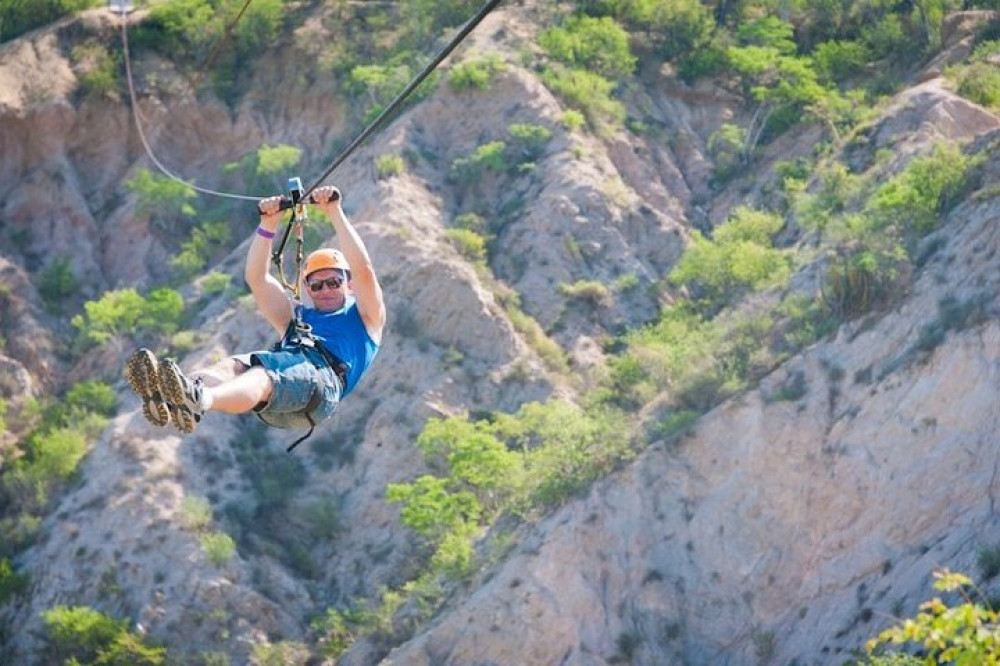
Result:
<point x="272" y="301"/>
<point x="364" y="283"/>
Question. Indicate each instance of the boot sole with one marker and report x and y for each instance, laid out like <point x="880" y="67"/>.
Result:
<point x="141" y="374"/>
<point x="173" y="390"/>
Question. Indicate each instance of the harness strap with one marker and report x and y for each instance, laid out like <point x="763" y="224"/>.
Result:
<point x="299" y="334"/>
<point x="313" y="404"/>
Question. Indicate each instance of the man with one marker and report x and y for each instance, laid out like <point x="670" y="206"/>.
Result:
<point x="326" y="346"/>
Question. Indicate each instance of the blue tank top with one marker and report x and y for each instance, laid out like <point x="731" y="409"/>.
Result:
<point x="342" y="333"/>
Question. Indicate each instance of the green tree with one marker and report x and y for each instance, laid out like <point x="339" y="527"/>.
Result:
<point x="219" y="547"/>
<point x="475" y="73"/>
<point x="269" y="168"/>
<point x="528" y="140"/>
<point x="79" y="633"/>
<point x="782" y="83"/>
<point x="92" y="395"/>
<point x="913" y="199"/>
<point x="589" y="92"/>
<point x="206" y="241"/>
<point x="432" y="508"/>
<point x="486" y="158"/>
<point x="161" y="198"/>
<point x="966" y="633"/>
<point x="58" y="282"/>
<point x="125" y="311"/>
<point x="11" y="582"/>
<point x="19" y="16"/>
<point x="597" y="45"/>
<point x="740" y="256"/>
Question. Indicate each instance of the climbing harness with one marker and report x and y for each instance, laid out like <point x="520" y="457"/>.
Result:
<point x="299" y="335"/>
<point x="296" y="202"/>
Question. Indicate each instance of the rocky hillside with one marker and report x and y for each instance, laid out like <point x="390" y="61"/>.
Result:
<point x="786" y="524"/>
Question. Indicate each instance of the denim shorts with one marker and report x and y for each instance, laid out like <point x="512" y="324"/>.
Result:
<point x="295" y="373"/>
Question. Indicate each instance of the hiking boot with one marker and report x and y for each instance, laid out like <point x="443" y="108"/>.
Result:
<point x="185" y="397"/>
<point x="142" y="374"/>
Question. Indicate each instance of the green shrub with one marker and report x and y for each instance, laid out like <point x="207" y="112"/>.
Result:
<point x="92" y="395"/>
<point x="673" y="424"/>
<point x="727" y="146"/>
<point x="677" y="28"/>
<point x="79" y="632"/>
<point x="488" y="157"/>
<point x="282" y="653"/>
<point x="196" y="513"/>
<point x="597" y="45"/>
<point x="912" y="200"/>
<point x="58" y="282"/>
<point x="17" y="18"/>
<point x="128" y="648"/>
<point x="593" y="292"/>
<point x="387" y="166"/>
<point x="82" y="635"/>
<point x="219" y="547"/>
<point x="99" y="69"/>
<point x="591" y="93"/>
<point x="626" y="282"/>
<point x="53" y="455"/>
<point x="572" y="119"/>
<point x="474" y="456"/>
<point x="548" y="350"/>
<point x="739" y="257"/>
<point x="215" y="283"/>
<point x="858" y="281"/>
<point x="469" y="244"/>
<point x="528" y="141"/>
<point x="205" y="242"/>
<point x="475" y="74"/>
<point x="336" y="631"/>
<point x="21" y="529"/>
<point x="432" y="508"/>
<point x="195" y="27"/>
<point x="979" y="82"/>
<point x="988" y="559"/>
<point x="470" y="221"/>
<point x="968" y="633"/>
<point x="885" y="36"/>
<point x="380" y="84"/>
<point x="837" y="60"/>
<point x="431" y="17"/>
<point x="268" y="169"/>
<point x="12" y="583"/>
<point x="160" y="197"/>
<point x="124" y="312"/>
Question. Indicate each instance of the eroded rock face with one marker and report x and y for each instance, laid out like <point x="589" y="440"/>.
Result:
<point x="777" y="527"/>
<point x="791" y="530"/>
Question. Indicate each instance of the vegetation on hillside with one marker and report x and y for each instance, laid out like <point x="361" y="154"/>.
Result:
<point x="734" y="316"/>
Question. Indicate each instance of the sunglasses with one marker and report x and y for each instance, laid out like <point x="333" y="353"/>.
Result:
<point x="334" y="282"/>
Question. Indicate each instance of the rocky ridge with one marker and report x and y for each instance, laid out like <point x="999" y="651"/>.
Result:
<point x="792" y="526"/>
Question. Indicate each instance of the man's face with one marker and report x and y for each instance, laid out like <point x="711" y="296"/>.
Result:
<point x="328" y="288"/>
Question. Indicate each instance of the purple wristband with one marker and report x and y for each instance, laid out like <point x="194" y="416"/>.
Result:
<point x="264" y="233"/>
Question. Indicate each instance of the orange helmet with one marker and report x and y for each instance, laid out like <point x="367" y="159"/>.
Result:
<point x="325" y="258"/>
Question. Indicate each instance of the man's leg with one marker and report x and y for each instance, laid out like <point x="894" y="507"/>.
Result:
<point x="240" y="394"/>
<point x="189" y="399"/>
<point x="223" y="371"/>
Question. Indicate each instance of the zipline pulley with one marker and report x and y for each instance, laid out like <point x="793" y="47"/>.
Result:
<point x="297" y="220"/>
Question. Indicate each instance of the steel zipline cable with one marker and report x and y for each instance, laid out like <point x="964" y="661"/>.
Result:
<point x="396" y="103"/>
<point x="142" y="133"/>
<point x="377" y="123"/>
